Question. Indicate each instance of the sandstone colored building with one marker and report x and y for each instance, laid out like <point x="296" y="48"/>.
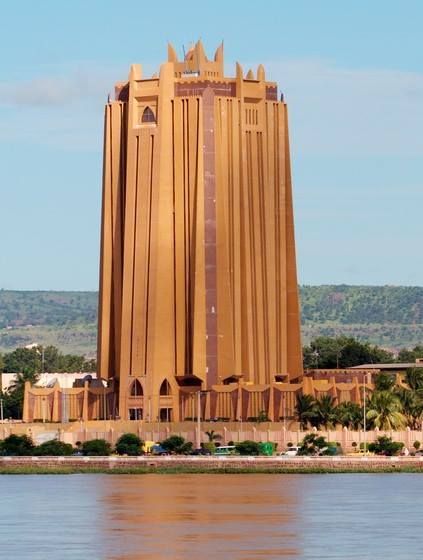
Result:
<point x="198" y="286"/>
<point x="199" y="310"/>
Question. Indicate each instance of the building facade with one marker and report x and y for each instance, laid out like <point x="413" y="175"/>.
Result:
<point x="198" y="284"/>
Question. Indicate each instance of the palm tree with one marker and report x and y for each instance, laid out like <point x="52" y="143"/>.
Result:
<point x="325" y="414"/>
<point x="414" y="379"/>
<point x="213" y="436"/>
<point x="305" y="409"/>
<point x="349" y="415"/>
<point x="412" y="405"/>
<point x="384" y="382"/>
<point x="385" y="411"/>
<point x="18" y="383"/>
<point x="17" y="388"/>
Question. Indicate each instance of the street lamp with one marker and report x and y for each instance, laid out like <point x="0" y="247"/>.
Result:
<point x="316" y="356"/>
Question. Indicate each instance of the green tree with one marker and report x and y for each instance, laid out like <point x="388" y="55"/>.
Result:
<point x="248" y="447"/>
<point x="22" y="360"/>
<point x="385" y="446"/>
<point x="342" y="351"/>
<point x="177" y="445"/>
<point x="312" y="444"/>
<point x="12" y="405"/>
<point x="16" y="391"/>
<point x="385" y="411"/>
<point x="53" y="448"/>
<point x="15" y="445"/>
<point x="407" y="356"/>
<point x="384" y="382"/>
<point x="213" y="436"/>
<point x="96" y="447"/>
<point x="412" y="406"/>
<point x="349" y="415"/>
<point x="305" y="409"/>
<point x="324" y="412"/>
<point x="129" y="444"/>
<point x="414" y="379"/>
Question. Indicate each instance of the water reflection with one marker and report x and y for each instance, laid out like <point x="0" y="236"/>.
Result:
<point x="213" y="516"/>
<point x="205" y="517"/>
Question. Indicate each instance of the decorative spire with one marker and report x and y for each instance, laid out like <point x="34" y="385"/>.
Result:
<point x="171" y="53"/>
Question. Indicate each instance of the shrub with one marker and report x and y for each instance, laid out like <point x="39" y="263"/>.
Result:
<point x="416" y="445"/>
<point x="177" y="445"/>
<point x="385" y="446"/>
<point x="15" y="445"/>
<point x="96" y="447"/>
<point x="53" y="448"/>
<point x="209" y="446"/>
<point x="129" y="444"/>
<point x="289" y="444"/>
<point x="248" y="447"/>
<point x="313" y="444"/>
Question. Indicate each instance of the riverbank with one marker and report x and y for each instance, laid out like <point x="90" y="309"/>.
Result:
<point x="206" y="465"/>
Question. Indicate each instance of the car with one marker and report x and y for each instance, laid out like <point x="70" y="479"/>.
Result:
<point x="290" y="452"/>
<point x="158" y="450"/>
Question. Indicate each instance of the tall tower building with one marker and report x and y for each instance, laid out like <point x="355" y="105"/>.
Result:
<point x="198" y="285"/>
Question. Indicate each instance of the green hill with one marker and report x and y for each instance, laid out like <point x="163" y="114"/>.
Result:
<point x="391" y="316"/>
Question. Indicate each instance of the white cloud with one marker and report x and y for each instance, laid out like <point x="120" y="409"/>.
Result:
<point x="58" y="90"/>
<point x="341" y="111"/>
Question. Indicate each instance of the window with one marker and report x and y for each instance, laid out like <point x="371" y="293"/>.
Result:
<point x="165" y="388"/>
<point x="148" y="116"/>
<point x="135" y="414"/>
<point x="136" y="389"/>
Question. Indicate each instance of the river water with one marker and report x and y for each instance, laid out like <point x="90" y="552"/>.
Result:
<point x="207" y="517"/>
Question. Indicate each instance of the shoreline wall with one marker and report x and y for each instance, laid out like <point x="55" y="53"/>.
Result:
<point x="177" y="464"/>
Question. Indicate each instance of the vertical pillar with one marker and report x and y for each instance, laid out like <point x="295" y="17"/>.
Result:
<point x="85" y="403"/>
<point x="56" y="396"/>
<point x="25" y="412"/>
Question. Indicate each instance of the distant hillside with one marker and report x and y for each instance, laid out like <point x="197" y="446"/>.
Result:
<point x="18" y="309"/>
<point x="362" y="304"/>
<point x="391" y="316"/>
<point x="67" y="320"/>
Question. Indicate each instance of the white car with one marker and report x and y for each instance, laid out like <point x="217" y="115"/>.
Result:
<point x="290" y="452"/>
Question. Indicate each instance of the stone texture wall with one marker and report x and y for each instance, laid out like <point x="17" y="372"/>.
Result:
<point x="332" y="464"/>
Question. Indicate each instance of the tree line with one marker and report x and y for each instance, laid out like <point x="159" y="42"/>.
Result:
<point x="327" y="352"/>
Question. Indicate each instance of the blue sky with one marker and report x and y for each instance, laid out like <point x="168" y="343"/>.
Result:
<point x="352" y="74"/>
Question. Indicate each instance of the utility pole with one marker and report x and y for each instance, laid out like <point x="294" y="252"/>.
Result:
<point x="1" y="410"/>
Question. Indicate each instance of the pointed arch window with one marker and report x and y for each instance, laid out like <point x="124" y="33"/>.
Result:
<point x="165" y="388"/>
<point x="148" y="116"/>
<point x="136" y="389"/>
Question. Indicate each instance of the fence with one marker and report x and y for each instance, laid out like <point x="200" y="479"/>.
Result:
<point x="346" y="438"/>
